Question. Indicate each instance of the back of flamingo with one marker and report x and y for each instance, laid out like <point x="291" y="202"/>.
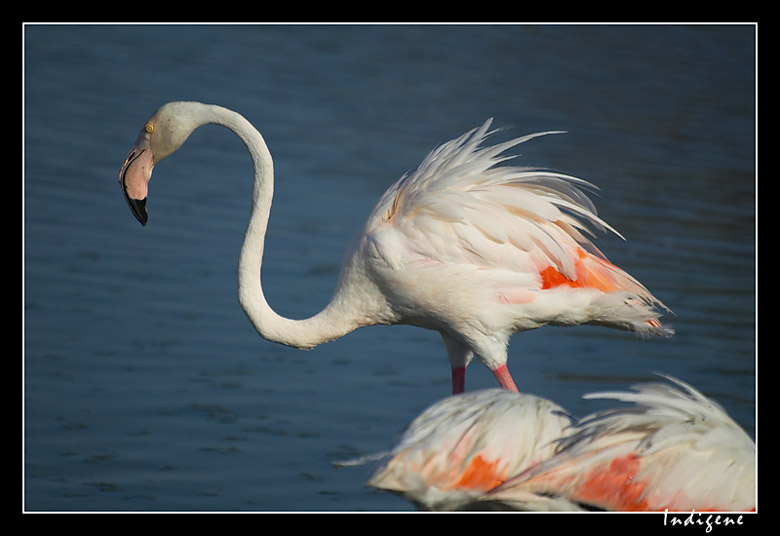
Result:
<point x="673" y="448"/>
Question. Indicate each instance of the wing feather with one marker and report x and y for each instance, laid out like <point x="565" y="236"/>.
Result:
<point x="488" y="214"/>
<point x="673" y="448"/>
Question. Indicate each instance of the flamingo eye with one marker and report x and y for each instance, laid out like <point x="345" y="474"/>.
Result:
<point x="149" y="128"/>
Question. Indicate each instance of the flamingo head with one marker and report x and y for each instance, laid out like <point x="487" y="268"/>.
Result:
<point x="161" y="135"/>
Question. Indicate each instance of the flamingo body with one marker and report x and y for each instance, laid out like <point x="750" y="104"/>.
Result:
<point x="463" y="245"/>
<point x="462" y="447"/>
<point x="672" y="449"/>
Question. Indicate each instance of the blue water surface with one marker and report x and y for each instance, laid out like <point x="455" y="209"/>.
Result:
<point x="145" y="387"/>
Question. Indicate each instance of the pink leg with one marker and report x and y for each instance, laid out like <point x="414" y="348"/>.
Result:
<point x="504" y="378"/>
<point x="458" y="380"/>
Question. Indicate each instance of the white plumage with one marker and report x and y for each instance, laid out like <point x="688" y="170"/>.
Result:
<point x="672" y="448"/>
<point x="465" y="245"/>
<point x="462" y="447"/>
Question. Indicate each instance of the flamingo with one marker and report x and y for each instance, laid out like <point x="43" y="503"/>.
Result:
<point x="672" y="449"/>
<point x="465" y="445"/>
<point x="463" y="246"/>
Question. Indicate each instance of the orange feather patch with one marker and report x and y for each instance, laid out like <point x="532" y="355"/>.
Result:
<point x="615" y="486"/>
<point x="481" y="475"/>
<point x="591" y="272"/>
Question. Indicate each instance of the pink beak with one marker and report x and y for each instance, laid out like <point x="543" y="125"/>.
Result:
<point x="135" y="174"/>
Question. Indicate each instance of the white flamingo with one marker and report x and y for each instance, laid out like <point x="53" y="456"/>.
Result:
<point x="474" y="250"/>
<point x="673" y="449"/>
<point x="459" y="449"/>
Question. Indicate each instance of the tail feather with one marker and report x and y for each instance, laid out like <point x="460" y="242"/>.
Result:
<point x="626" y="302"/>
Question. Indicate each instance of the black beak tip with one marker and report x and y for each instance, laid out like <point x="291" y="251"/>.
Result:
<point x="140" y="214"/>
<point x="138" y="206"/>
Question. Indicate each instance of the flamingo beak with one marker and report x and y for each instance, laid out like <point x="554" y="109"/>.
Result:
<point x="135" y="174"/>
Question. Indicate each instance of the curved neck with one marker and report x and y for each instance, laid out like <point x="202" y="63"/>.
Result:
<point x="337" y="319"/>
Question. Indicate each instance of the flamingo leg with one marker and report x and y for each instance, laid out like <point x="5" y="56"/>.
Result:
<point x="459" y="356"/>
<point x="504" y="378"/>
<point x="458" y="380"/>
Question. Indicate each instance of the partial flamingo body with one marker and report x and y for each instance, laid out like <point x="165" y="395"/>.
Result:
<point x="462" y="447"/>
<point x="672" y="449"/>
<point x="465" y="246"/>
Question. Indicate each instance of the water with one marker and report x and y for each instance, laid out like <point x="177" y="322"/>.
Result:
<point x="145" y="387"/>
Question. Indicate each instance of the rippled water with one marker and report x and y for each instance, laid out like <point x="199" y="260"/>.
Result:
<point x="145" y="387"/>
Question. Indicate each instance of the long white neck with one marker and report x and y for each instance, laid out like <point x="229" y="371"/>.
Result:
<point x="338" y="318"/>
